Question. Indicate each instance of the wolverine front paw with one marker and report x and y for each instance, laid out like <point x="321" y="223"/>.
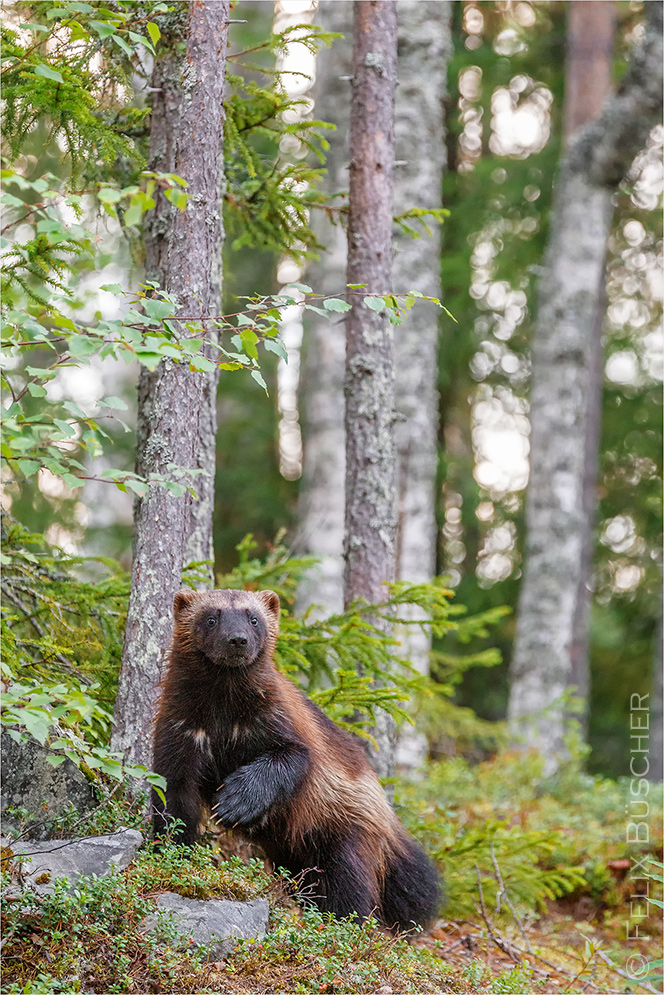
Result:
<point x="236" y="804"/>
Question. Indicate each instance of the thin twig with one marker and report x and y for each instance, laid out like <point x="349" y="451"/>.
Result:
<point x="503" y="891"/>
<point x="502" y="944"/>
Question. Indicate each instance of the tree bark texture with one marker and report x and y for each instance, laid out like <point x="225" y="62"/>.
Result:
<point x="425" y="46"/>
<point x="563" y="353"/>
<point x="321" y="503"/>
<point x="370" y="516"/>
<point x="176" y="408"/>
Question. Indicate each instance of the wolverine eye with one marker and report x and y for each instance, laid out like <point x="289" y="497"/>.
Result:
<point x="210" y="621"/>
<point x="253" y="620"/>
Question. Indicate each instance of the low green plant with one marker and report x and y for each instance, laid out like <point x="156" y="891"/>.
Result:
<point x="198" y="872"/>
<point x="310" y="952"/>
<point x="526" y="837"/>
<point x="90" y="939"/>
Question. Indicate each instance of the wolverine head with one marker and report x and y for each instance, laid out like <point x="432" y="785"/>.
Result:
<point x="232" y="628"/>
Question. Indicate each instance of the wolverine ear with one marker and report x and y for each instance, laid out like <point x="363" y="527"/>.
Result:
<point x="271" y="603"/>
<point x="182" y="599"/>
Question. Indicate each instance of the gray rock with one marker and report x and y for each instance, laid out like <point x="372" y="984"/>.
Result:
<point x="29" y="782"/>
<point x="71" y="859"/>
<point x="214" y="924"/>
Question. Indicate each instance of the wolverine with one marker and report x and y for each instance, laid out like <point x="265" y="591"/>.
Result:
<point x="236" y="738"/>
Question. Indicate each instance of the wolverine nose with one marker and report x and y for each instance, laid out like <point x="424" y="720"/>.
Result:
<point x="237" y="639"/>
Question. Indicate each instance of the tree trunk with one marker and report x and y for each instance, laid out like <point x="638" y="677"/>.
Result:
<point x="425" y="46"/>
<point x="176" y="408"/>
<point x="321" y="503"/>
<point x="557" y="518"/>
<point x="370" y="519"/>
<point x="588" y="83"/>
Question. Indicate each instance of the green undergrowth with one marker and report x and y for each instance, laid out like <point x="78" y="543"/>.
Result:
<point x="92" y="940"/>
<point x="509" y="841"/>
<point x="505" y="825"/>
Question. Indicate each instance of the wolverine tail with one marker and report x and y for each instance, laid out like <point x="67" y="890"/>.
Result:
<point x="412" y="893"/>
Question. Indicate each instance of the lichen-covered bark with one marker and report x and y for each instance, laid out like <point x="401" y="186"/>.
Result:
<point x="424" y="49"/>
<point x="557" y="518"/>
<point x="370" y="517"/>
<point x="176" y="408"/>
<point x="321" y="502"/>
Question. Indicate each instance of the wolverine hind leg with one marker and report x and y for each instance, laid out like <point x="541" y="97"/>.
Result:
<point x="342" y="881"/>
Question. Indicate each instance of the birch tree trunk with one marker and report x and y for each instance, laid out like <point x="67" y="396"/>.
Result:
<point x="176" y="408"/>
<point x="370" y="516"/>
<point x="557" y="519"/>
<point x="321" y="503"/>
<point x="425" y="46"/>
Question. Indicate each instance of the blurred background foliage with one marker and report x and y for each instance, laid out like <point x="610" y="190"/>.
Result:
<point x="507" y="72"/>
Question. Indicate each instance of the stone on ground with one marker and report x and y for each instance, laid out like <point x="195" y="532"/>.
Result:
<point x="214" y="924"/>
<point x="42" y="863"/>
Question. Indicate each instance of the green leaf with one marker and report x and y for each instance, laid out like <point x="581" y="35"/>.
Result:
<point x="178" y="198"/>
<point x="81" y="345"/>
<point x="154" y="32"/>
<point x="112" y="288"/>
<point x="302" y="287"/>
<point x="36" y="390"/>
<point x="109" y="195"/>
<point x="121" y="43"/>
<point x="38" y="724"/>
<point x="156" y="309"/>
<point x="257" y="376"/>
<point x="133" y="214"/>
<point x="318" y="310"/>
<point x="28" y="466"/>
<point x="55" y="761"/>
<point x="103" y="29"/>
<point x="74" y="409"/>
<point x="201" y="364"/>
<point x="375" y="303"/>
<point x="115" y="402"/>
<point x="67" y="430"/>
<point x="277" y="346"/>
<point x="47" y="73"/>
<point x="334" y="304"/>
<point x="137" y="486"/>
<point x="149" y="359"/>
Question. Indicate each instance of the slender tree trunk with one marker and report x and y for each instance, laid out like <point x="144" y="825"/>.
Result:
<point x="588" y="82"/>
<point x="176" y="408"/>
<point x="370" y="519"/>
<point x="557" y="518"/>
<point x="425" y="46"/>
<point x="321" y="504"/>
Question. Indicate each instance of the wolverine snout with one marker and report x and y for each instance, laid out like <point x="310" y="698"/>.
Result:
<point x="237" y="639"/>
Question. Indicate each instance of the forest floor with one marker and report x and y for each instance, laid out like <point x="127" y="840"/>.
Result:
<point x="539" y="899"/>
<point x="91" y="941"/>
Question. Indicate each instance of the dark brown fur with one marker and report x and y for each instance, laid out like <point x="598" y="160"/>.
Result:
<point x="236" y="737"/>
